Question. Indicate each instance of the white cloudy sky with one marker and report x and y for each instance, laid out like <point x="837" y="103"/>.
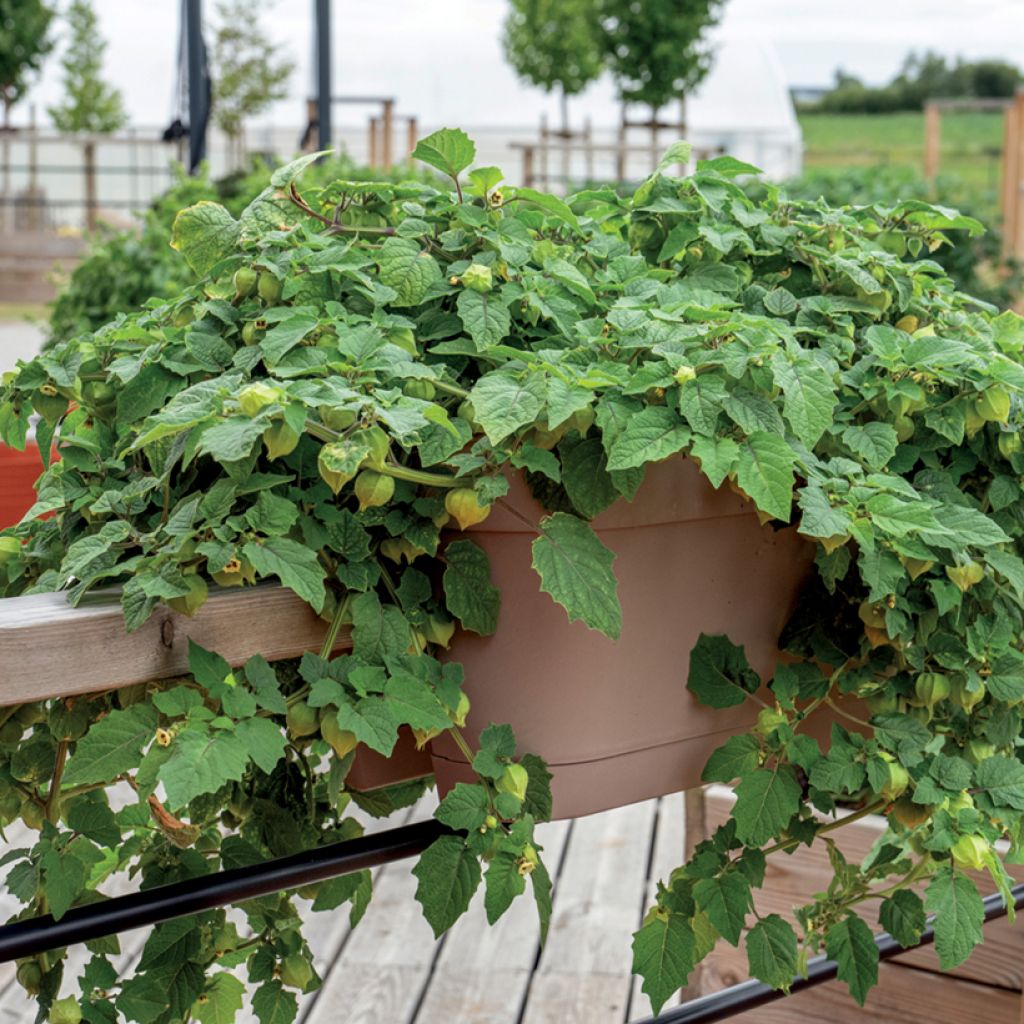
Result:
<point x="442" y="58"/>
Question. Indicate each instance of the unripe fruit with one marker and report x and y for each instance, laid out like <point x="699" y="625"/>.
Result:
<point x="915" y="566"/>
<point x="930" y="688"/>
<point x="458" y="716"/>
<point x="188" y="604"/>
<point x="970" y="852"/>
<point x="336" y="418"/>
<point x="980" y="750"/>
<point x="904" y="427"/>
<point x="65" y="1011"/>
<point x="279" y="439"/>
<point x="909" y="814"/>
<point x="404" y="338"/>
<point x="583" y="420"/>
<point x="419" y="389"/>
<point x="885" y="703"/>
<point x="251" y="333"/>
<point x="245" y="282"/>
<point x="514" y="779"/>
<point x="907" y="323"/>
<point x="32" y="815"/>
<point x="478" y="278"/>
<point x="302" y="720"/>
<point x="269" y="287"/>
<point x="872" y="614"/>
<point x="100" y="395"/>
<point x="768" y="720"/>
<point x="334" y="465"/>
<point x="254" y="397"/>
<point x="9" y="547"/>
<point x="994" y="405"/>
<point x="527" y="864"/>
<point x="373" y="489"/>
<point x="379" y="444"/>
<point x="961" y="802"/>
<point x="964" y="698"/>
<point x="491" y="821"/>
<point x="899" y="779"/>
<point x="439" y="631"/>
<point x="50" y="406"/>
<point x="424" y="736"/>
<point x="466" y="412"/>
<point x="1009" y="443"/>
<point x="463" y="505"/>
<point x="30" y="976"/>
<point x="684" y="374"/>
<point x="965" y="576"/>
<point x="341" y="740"/>
<point x="973" y="420"/>
<point x="296" y="971"/>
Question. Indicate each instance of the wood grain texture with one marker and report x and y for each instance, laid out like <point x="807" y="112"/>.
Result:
<point x="49" y="649"/>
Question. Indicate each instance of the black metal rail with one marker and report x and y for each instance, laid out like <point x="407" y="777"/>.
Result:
<point x="236" y="885"/>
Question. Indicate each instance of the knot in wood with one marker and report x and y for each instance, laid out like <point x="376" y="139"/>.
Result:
<point x="167" y="632"/>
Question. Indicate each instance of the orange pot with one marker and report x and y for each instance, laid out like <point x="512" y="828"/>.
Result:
<point x="613" y="719"/>
<point x="18" y="473"/>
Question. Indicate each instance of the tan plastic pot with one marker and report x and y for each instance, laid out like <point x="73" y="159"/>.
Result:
<point x="371" y="770"/>
<point x="614" y="719"/>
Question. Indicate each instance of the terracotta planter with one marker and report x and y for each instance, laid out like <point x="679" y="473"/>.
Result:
<point x="18" y="472"/>
<point x="371" y="770"/>
<point x="614" y="720"/>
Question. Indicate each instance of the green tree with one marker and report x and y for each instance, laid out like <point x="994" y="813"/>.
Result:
<point x="554" y="44"/>
<point x="24" y="42"/>
<point x="247" y="77"/>
<point x="656" y="48"/>
<point x="90" y="104"/>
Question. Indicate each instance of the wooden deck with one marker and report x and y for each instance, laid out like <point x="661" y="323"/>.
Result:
<point x="605" y="866"/>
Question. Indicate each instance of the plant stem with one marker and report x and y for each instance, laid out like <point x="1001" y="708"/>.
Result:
<point x="460" y="742"/>
<point x="830" y="826"/>
<point x="451" y="389"/>
<point x="53" y="797"/>
<point x="332" y="631"/>
<point x="421" y="476"/>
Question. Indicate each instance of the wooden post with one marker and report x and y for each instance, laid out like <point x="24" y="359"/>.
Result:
<point x="544" y="180"/>
<point x="89" y="162"/>
<point x="528" y="166"/>
<point x="932" y="138"/>
<point x="1018" y="181"/>
<point x="309" y="139"/>
<point x="411" y="138"/>
<point x="1010" y="203"/>
<point x="371" y="159"/>
<point x="388" y="131"/>
<point x="588" y="139"/>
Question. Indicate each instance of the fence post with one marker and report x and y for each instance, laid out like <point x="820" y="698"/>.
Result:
<point x="89" y="165"/>
<point x="412" y="137"/>
<point x="932" y="138"/>
<point x="388" y="131"/>
<point x="371" y="159"/>
<point x="1011" y="178"/>
<point x="1018" y="179"/>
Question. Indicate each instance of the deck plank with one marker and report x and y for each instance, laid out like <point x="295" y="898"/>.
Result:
<point x="468" y="984"/>
<point x="584" y="971"/>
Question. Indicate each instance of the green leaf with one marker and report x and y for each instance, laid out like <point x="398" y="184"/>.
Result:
<point x="469" y="593"/>
<point x="272" y="1004"/>
<point x="285" y="335"/>
<point x="224" y="995"/>
<point x="271" y="210"/>
<point x="902" y="916"/>
<point x="285" y="175"/>
<point x="208" y="668"/>
<point x="850" y="943"/>
<point x="414" y="703"/>
<point x="720" y="675"/>
<point x="204" y="234"/>
<point x="485" y="317"/>
<point x="654" y="434"/>
<point x="372" y="722"/>
<point x="272" y="515"/>
<point x="335" y="891"/>
<point x="408" y="269"/>
<point x="503" y="883"/>
<point x="809" y="396"/>
<point x="765" y="801"/>
<point x="959" y="914"/>
<point x="504" y="403"/>
<point x="448" y="876"/>
<point x="64" y="878"/>
<point x="265" y="741"/>
<point x="726" y="899"/>
<point x="201" y="762"/>
<point x="294" y="564"/>
<point x="1002" y="781"/>
<point x="765" y="472"/>
<point x="575" y="568"/>
<point x="664" y="953"/>
<point x="875" y="443"/>
<point x="678" y="153"/>
<point x="700" y="401"/>
<point x="717" y="457"/>
<point x="464" y="807"/>
<point x="772" y="952"/>
<point x="450" y="150"/>
<point x="541" y="882"/>
<point x="378" y="630"/>
<point x="738" y="756"/>
<point x="586" y="478"/>
<point x="231" y="439"/>
<point x="549" y="204"/>
<point x="112" y="746"/>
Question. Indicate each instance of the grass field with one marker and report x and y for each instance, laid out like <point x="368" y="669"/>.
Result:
<point x="971" y="143"/>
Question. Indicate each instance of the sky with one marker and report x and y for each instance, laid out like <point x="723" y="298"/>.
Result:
<point x="442" y="59"/>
